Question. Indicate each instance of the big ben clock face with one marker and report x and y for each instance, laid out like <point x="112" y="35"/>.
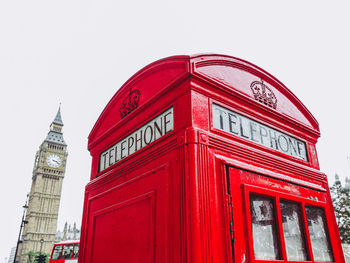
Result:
<point x="53" y="160"/>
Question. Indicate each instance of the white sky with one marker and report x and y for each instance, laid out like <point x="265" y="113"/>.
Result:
<point x="80" y="52"/>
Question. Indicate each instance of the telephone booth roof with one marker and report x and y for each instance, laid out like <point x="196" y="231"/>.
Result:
<point x="222" y="72"/>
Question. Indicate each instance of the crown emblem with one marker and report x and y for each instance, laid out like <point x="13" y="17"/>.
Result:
<point x="263" y="94"/>
<point x="130" y="102"/>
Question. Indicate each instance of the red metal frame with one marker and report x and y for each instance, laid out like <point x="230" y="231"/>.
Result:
<point x="175" y="199"/>
<point x="277" y="195"/>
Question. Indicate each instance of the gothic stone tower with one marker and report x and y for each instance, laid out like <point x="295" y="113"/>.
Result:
<point x="45" y="193"/>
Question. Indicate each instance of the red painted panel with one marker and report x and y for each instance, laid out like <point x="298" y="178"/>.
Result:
<point x="121" y="209"/>
<point x="241" y="81"/>
<point x="149" y="81"/>
<point x="126" y="227"/>
<point x="240" y="75"/>
<point x="244" y="183"/>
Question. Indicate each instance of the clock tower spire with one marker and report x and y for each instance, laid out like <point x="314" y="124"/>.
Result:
<point x="55" y="134"/>
<point x="45" y="194"/>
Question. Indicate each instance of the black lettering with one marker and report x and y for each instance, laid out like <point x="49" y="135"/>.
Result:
<point x="242" y="129"/>
<point x="221" y="118"/>
<point x="301" y="147"/>
<point x="145" y="135"/>
<point x="104" y="160"/>
<point x="157" y="128"/>
<point x="253" y="131"/>
<point x="262" y="134"/>
<point x="273" y="139"/>
<point x="130" y="143"/>
<point x="122" y="148"/>
<point x="138" y="140"/>
<point x="284" y="149"/>
<point x="111" y="151"/>
<point x="165" y="123"/>
<point x="293" y="145"/>
<point x="116" y="154"/>
<point x="231" y="122"/>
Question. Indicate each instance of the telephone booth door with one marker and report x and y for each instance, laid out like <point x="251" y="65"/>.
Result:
<point x="273" y="220"/>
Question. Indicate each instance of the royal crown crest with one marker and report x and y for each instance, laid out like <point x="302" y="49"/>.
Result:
<point x="263" y="94"/>
<point x="130" y="102"/>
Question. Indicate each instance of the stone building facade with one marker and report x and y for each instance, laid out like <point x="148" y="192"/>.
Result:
<point x="45" y="194"/>
<point x="68" y="233"/>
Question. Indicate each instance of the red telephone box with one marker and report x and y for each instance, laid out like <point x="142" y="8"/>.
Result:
<point x="206" y="159"/>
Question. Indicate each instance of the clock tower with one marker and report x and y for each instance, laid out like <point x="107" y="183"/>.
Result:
<point x="45" y="194"/>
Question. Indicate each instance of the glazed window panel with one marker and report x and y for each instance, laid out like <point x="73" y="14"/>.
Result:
<point x="67" y="251"/>
<point x="57" y="252"/>
<point x="265" y="240"/>
<point x="318" y="234"/>
<point x="76" y="251"/>
<point x="293" y="231"/>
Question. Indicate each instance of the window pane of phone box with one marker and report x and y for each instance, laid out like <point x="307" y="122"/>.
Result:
<point x="265" y="239"/>
<point x="318" y="234"/>
<point x="293" y="231"/>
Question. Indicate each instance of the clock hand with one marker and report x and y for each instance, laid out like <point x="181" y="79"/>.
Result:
<point x="55" y="161"/>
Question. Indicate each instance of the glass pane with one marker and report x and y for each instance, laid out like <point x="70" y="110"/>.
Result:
<point x="264" y="228"/>
<point x="76" y="251"/>
<point x="67" y="251"/>
<point x="318" y="234"/>
<point x="293" y="234"/>
<point x="57" y="252"/>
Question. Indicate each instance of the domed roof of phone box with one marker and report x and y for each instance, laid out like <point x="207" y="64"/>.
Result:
<point x="220" y="71"/>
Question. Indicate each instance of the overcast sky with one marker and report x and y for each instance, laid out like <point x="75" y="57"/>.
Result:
<point x="80" y="52"/>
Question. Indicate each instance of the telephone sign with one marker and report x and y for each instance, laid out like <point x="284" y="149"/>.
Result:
<point x="148" y="133"/>
<point x="249" y="129"/>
